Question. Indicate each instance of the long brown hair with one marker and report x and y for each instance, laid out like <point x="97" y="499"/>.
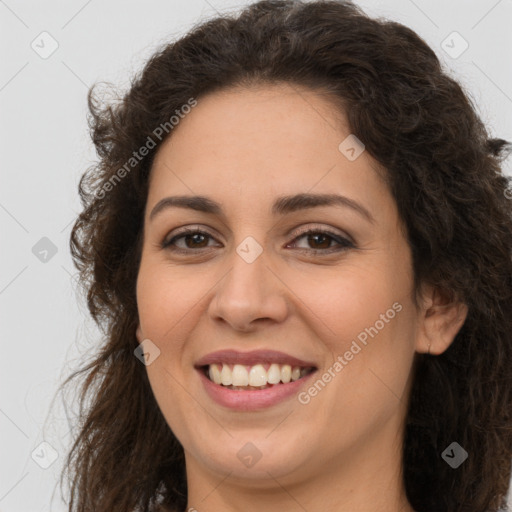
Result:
<point x="443" y="169"/>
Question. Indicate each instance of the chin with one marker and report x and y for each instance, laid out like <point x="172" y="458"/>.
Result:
<point x="247" y="457"/>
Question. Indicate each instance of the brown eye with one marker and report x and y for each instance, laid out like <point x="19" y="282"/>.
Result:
<point x="319" y="241"/>
<point x="196" y="239"/>
<point x="193" y="239"/>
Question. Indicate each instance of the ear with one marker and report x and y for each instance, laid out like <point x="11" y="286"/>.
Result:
<point x="138" y="334"/>
<point x="441" y="316"/>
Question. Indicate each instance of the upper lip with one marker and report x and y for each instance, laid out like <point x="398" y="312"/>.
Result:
<point x="251" y="358"/>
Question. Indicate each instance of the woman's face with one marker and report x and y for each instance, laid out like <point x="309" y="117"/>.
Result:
<point x="251" y="281"/>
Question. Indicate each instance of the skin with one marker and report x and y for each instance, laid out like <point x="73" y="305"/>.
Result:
<point x="243" y="147"/>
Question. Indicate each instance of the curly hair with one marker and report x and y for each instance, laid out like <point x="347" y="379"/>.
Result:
<point x="444" y="171"/>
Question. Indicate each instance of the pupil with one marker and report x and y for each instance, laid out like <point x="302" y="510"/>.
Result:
<point x="319" y="236"/>
<point x="194" y="237"/>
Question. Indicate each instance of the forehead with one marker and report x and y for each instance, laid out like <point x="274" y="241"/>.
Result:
<point x="259" y="142"/>
<point x="245" y="118"/>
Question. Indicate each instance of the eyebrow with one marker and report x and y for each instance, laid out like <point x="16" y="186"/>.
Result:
<point x="283" y="205"/>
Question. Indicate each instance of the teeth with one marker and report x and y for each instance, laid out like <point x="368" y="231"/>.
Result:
<point x="226" y="376"/>
<point x="240" y="375"/>
<point x="286" y="373"/>
<point x="215" y="374"/>
<point x="274" y="374"/>
<point x="255" y="376"/>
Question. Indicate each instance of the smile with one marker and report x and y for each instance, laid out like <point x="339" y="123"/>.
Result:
<point x="247" y="381"/>
<point x="254" y="377"/>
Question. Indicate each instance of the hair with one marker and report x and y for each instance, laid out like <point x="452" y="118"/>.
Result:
<point x="444" y="172"/>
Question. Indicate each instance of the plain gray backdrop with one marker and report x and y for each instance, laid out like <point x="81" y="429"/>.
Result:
<point x="51" y="53"/>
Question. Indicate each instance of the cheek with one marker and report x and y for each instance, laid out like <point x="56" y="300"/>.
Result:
<point x="163" y="298"/>
<point x="364" y="314"/>
<point x="160" y="307"/>
<point x="349" y="298"/>
<point x="165" y="313"/>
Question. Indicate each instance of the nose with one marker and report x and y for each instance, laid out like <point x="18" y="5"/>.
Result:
<point x="249" y="294"/>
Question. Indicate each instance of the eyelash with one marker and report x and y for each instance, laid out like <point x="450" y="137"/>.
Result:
<point x="344" y="244"/>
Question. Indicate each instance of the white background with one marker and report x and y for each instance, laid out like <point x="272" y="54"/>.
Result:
<point x="45" y="331"/>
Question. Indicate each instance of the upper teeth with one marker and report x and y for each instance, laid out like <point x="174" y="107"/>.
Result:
<point x="255" y="375"/>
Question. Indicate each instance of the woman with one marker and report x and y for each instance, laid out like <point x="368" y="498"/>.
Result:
<point x="297" y="241"/>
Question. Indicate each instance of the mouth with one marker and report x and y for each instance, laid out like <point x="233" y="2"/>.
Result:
<point x="240" y="377"/>
<point x="248" y="381"/>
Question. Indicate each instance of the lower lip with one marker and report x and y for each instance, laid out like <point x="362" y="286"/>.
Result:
<point x="252" y="399"/>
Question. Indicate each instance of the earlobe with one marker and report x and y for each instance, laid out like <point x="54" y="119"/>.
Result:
<point x="441" y="319"/>
<point x="138" y="334"/>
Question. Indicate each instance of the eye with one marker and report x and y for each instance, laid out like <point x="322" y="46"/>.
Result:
<point x="196" y="237"/>
<point x="319" y="238"/>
